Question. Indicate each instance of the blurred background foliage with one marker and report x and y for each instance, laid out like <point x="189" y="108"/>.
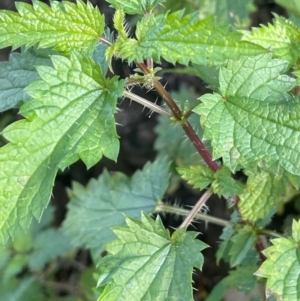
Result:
<point x="42" y="264"/>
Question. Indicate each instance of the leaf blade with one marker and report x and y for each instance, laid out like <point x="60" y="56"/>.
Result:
<point x="71" y="116"/>
<point x="105" y="201"/>
<point x="64" y="26"/>
<point x="185" y="39"/>
<point x="157" y="262"/>
<point x="259" y="131"/>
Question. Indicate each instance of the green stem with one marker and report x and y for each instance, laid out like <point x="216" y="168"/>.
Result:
<point x="161" y="207"/>
<point x="199" y="216"/>
<point x="199" y="205"/>
<point x="146" y="103"/>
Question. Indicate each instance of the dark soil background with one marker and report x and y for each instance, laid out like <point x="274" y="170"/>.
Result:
<point x="137" y="137"/>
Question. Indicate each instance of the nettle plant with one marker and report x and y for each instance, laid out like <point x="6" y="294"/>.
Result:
<point x="251" y="120"/>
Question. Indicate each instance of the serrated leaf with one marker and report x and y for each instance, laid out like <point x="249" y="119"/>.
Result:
<point x="263" y="193"/>
<point x="17" y="74"/>
<point x="185" y="39"/>
<point x="243" y="242"/>
<point x="199" y="176"/>
<point x="64" y="25"/>
<point x="224" y="185"/>
<point x="135" y="7"/>
<point x="71" y="116"/>
<point x="146" y="263"/>
<point x="242" y="278"/>
<point x="282" y="39"/>
<point x="282" y="267"/>
<point x="251" y="123"/>
<point x="101" y="205"/>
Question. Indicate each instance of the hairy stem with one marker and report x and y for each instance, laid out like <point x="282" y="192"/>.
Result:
<point x="207" y="194"/>
<point x="161" y="207"/>
<point x="194" y="138"/>
<point x="146" y="103"/>
<point x="199" y="216"/>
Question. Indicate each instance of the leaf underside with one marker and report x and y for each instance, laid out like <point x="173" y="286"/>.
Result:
<point x="71" y="116"/>
<point x="146" y="263"/>
<point x="255" y="121"/>
<point x="18" y="73"/>
<point x="94" y="210"/>
<point x="185" y="39"/>
<point x="64" y="25"/>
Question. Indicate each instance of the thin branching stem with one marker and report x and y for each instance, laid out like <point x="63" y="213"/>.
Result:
<point x="194" y="138"/>
<point x="199" y="205"/>
<point x="185" y="212"/>
<point x="147" y="103"/>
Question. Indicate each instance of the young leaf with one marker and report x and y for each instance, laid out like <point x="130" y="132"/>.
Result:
<point x="282" y="267"/>
<point x="104" y="201"/>
<point x="135" y="7"/>
<point x="243" y="243"/>
<point x="255" y="121"/>
<point x="64" y="26"/>
<point x="263" y="192"/>
<point x="146" y="263"/>
<point x="282" y="38"/>
<point x="222" y="183"/>
<point x="185" y="39"/>
<point x="17" y="74"/>
<point x="71" y="116"/>
<point x="225" y="185"/>
<point x="199" y="176"/>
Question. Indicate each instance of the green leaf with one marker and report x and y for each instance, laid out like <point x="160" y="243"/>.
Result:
<point x="222" y="183"/>
<point x="227" y="234"/>
<point x="255" y="121"/>
<point x="225" y="185"/>
<point x="17" y="74"/>
<point x="235" y="12"/>
<point x="71" y="116"/>
<point x="282" y="38"/>
<point x="185" y="39"/>
<point x="263" y="192"/>
<point x="48" y="245"/>
<point x="64" y="26"/>
<point x="199" y="176"/>
<point x="104" y="201"/>
<point x="242" y="278"/>
<point x="146" y="263"/>
<point x="135" y="7"/>
<point x="292" y="6"/>
<point x="25" y="289"/>
<point x="243" y="243"/>
<point x="282" y="267"/>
